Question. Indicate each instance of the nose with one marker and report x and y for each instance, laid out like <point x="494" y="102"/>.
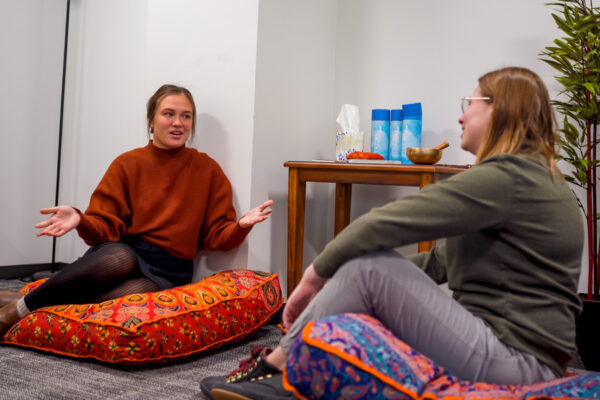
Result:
<point x="177" y="121"/>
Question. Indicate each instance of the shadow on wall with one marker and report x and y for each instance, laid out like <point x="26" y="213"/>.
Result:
<point x="211" y="138"/>
<point x="210" y="262"/>
<point x="277" y="261"/>
<point x="319" y="219"/>
<point x="318" y="230"/>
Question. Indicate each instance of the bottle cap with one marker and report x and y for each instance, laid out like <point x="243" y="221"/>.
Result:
<point x="412" y="111"/>
<point x="397" y="115"/>
<point x="380" y="115"/>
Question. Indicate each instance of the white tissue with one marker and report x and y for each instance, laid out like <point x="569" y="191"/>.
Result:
<point x="348" y="137"/>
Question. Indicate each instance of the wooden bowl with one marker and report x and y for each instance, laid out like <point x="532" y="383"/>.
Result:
<point x="423" y="155"/>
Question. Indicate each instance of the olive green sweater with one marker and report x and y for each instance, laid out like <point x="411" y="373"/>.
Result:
<point x="512" y="255"/>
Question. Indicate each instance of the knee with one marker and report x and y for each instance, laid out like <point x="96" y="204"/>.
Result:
<point x="354" y="268"/>
<point x="373" y="263"/>
<point x="120" y="253"/>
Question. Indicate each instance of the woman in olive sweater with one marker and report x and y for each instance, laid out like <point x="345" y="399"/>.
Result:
<point x="512" y="256"/>
<point x="155" y="207"/>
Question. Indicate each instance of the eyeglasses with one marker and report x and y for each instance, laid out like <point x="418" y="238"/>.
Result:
<point x="465" y="102"/>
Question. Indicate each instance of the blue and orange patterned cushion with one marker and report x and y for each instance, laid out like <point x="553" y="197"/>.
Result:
<point x="150" y="327"/>
<point x="353" y="356"/>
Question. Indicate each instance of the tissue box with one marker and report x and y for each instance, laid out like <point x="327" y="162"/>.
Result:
<point x="346" y="143"/>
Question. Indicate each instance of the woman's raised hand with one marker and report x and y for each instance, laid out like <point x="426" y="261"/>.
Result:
<point x="256" y="215"/>
<point x="63" y="219"/>
<point x="307" y="289"/>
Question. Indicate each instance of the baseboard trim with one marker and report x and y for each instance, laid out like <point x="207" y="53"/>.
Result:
<point x="23" y="270"/>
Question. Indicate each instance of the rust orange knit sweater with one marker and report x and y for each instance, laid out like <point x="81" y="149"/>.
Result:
<point x="178" y="200"/>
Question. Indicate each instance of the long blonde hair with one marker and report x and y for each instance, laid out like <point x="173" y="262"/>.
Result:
<point x="522" y="119"/>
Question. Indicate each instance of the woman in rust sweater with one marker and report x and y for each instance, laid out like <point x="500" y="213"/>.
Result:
<point x="155" y="207"/>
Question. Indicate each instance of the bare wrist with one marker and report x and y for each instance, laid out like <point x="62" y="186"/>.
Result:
<point x="242" y="227"/>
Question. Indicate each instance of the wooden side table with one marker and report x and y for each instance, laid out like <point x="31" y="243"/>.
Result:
<point x="344" y="174"/>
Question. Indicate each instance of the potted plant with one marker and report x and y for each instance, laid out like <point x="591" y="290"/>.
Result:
<point x="576" y="56"/>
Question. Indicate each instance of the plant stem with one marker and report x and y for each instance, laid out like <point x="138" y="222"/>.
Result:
<point x="590" y="172"/>
<point x="595" y="196"/>
<point x="577" y="57"/>
<point x="590" y="220"/>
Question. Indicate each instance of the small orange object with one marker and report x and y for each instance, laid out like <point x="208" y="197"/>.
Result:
<point x="364" y="155"/>
<point x="282" y="329"/>
<point x="442" y="146"/>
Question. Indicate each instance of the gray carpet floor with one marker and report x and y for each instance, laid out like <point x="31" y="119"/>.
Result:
<point x="30" y="374"/>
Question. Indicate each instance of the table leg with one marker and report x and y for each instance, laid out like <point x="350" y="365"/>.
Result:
<point x="343" y="197"/>
<point x="296" y="201"/>
<point x="426" y="179"/>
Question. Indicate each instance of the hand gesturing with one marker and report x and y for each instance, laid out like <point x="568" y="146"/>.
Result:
<point x="63" y="219"/>
<point x="256" y="215"/>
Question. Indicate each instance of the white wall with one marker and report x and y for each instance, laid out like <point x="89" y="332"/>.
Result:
<point x="105" y="99"/>
<point x="392" y="52"/>
<point x="216" y="60"/>
<point x="31" y="44"/>
<point x="294" y="97"/>
<point x="112" y="73"/>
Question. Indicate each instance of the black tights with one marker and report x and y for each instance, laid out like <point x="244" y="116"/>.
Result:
<point x="103" y="273"/>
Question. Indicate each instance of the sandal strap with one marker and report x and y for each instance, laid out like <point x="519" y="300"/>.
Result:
<point x="255" y="367"/>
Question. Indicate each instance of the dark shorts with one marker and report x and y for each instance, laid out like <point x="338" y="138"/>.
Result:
<point x="158" y="265"/>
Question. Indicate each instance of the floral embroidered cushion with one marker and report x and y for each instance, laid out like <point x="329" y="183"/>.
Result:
<point x="158" y="326"/>
<point x="353" y="356"/>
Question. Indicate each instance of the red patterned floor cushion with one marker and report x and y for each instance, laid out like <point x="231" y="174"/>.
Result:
<point x="353" y="356"/>
<point x="160" y="326"/>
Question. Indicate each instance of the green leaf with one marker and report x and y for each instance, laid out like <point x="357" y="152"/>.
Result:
<point x="586" y="22"/>
<point x="562" y="24"/>
<point x="590" y="87"/>
<point x="554" y="64"/>
<point x="576" y="59"/>
<point x="571" y="133"/>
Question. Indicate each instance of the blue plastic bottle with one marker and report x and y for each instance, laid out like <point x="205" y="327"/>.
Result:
<point x="396" y="135"/>
<point x="380" y="132"/>
<point x="411" y="128"/>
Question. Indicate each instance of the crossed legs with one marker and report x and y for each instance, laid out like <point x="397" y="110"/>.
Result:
<point x="395" y="291"/>
<point x="104" y="272"/>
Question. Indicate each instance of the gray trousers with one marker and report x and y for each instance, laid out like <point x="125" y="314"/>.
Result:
<point x="390" y="288"/>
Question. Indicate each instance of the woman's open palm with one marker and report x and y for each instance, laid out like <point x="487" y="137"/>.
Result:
<point x="62" y="220"/>
<point x="256" y="215"/>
